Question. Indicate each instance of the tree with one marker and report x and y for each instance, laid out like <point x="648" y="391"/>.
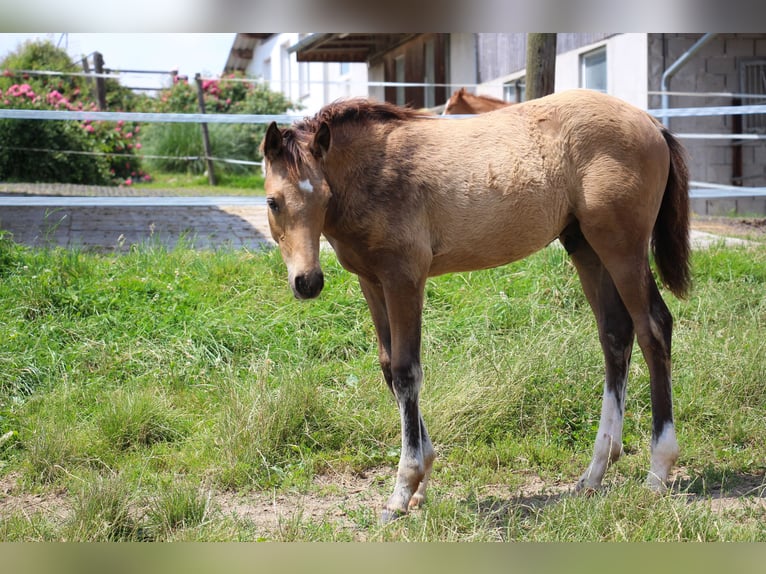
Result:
<point x="541" y="65"/>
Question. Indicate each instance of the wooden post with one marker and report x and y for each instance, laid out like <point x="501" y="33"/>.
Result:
<point x="541" y="65"/>
<point x="98" y="66"/>
<point x="205" y="135"/>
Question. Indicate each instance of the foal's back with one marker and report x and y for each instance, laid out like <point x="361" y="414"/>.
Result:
<point x="509" y="181"/>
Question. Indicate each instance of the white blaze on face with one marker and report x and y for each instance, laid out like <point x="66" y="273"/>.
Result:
<point x="305" y="186"/>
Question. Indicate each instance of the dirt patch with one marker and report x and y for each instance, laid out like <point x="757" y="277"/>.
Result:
<point x="341" y="499"/>
<point x="55" y="504"/>
<point x="349" y="503"/>
<point x="742" y="227"/>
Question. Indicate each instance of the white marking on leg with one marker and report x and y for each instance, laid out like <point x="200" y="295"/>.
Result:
<point x="412" y="466"/>
<point x="429" y="455"/>
<point x="305" y="186"/>
<point x="664" y="456"/>
<point x="608" y="445"/>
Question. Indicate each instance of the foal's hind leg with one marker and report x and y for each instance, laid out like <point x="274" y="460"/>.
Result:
<point x="615" y="329"/>
<point x="653" y="326"/>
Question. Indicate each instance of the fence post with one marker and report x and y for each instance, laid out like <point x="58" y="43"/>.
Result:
<point x="98" y="65"/>
<point x="205" y="136"/>
<point x="541" y="64"/>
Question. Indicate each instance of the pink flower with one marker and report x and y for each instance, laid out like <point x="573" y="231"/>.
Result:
<point x="129" y="135"/>
<point x="89" y="129"/>
<point x="138" y="146"/>
<point x="54" y="97"/>
<point x="121" y="123"/>
<point x="128" y="181"/>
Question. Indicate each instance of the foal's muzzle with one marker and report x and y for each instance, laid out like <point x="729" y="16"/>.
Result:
<point x="308" y="285"/>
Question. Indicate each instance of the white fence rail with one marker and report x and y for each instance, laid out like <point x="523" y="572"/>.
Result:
<point x="699" y="189"/>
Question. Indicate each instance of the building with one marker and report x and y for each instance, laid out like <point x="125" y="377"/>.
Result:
<point x="310" y="85"/>
<point x="422" y="70"/>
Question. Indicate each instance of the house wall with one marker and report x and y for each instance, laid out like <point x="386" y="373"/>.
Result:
<point x="311" y="85"/>
<point x="459" y="67"/>
<point x="463" y="63"/>
<point x="414" y="57"/>
<point x="626" y="62"/>
<point x="715" y="68"/>
<point x="506" y="54"/>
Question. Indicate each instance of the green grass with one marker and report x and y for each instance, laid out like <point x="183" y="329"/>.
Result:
<point x="197" y="184"/>
<point x="137" y="389"/>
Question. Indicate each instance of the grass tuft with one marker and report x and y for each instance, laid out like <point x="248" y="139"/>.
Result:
<point x="131" y="380"/>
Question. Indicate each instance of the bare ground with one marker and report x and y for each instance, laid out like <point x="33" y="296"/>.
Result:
<point x="740" y="227"/>
<point x="348" y="502"/>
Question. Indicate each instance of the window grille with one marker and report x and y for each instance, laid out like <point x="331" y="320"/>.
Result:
<point x="752" y="78"/>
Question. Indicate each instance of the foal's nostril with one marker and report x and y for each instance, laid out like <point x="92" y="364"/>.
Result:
<point x="309" y="285"/>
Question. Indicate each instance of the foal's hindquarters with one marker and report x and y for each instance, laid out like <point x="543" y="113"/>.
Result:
<point x="632" y="194"/>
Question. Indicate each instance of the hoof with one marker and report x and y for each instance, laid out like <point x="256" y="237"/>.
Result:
<point x="656" y="484"/>
<point x="416" y="501"/>
<point x="390" y="515"/>
<point x="582" y="488"/>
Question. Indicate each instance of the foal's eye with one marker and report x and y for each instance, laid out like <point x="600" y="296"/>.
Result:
<point x="272" y="203"/>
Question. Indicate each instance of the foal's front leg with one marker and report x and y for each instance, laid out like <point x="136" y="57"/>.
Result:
<point x="404" y="306"/>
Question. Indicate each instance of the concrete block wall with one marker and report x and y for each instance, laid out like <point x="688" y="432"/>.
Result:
<point x="715" y="68"/>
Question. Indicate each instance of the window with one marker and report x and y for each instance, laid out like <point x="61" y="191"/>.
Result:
<point x="752" y="80"/>
<point x="593" y="70"/>
<point x="399" y="64"/>
<point x="304" y="81"/>
<point x="345" y="68"/>
<point x="286" y="70"/>
<point x="515" y="90"/>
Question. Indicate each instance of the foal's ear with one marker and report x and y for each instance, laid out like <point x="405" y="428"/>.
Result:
<point x="272" y="142"/>
<point x="321" y="142"/>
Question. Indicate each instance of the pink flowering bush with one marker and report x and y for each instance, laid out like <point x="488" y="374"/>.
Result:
<point x="88" y="138"/>
<point x="98" y="153"/>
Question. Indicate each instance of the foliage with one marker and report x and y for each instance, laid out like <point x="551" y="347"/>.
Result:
<point x="99" y="152"/>
<point x="119" y="143"/>
<point x="44" y="56"/>
<point x="52" y="165"/>
<point x="233" y="94"/>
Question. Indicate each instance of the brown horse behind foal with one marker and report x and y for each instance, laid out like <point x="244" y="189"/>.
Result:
<point x="385" y="187"/>
<point x="464" y="102"/>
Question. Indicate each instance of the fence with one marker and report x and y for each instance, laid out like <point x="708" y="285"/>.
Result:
<point x="699" y="189"/>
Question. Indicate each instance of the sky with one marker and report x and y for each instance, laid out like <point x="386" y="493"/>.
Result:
<point x="189" y="53"/>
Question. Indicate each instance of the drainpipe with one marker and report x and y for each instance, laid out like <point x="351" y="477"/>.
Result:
<point x="677" y="65"/>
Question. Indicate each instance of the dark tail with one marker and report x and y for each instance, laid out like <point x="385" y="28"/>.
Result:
<point x="670" y="239"/>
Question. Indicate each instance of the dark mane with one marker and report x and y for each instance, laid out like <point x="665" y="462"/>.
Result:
<point x="340" y="112"/>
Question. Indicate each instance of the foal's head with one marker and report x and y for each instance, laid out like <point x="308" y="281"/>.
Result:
<point x="297" y="196"/>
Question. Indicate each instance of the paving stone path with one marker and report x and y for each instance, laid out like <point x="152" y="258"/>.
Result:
<point x="115" y="218"/>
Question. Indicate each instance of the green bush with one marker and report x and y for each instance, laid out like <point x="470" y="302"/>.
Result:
<point x="16" y="164"/>
<point x="229" y="95"/>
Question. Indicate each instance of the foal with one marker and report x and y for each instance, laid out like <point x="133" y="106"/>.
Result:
<point x="383" y="185"/>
